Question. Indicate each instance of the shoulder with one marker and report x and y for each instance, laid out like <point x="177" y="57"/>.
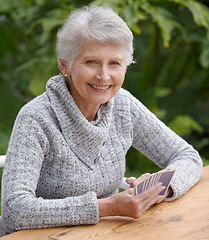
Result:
<point x="36" y="106"/>
<point x="125" y="100"/>
<point x="128" y="106"/>
<point x="37" y="110"/>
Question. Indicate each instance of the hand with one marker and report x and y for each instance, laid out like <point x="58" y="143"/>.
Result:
<point x="127" y="204"/>
<point x="169" y="193"/>
<point x="133" y="181"/>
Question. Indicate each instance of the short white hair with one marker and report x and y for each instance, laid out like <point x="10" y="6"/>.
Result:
<point x="95" y="23"/>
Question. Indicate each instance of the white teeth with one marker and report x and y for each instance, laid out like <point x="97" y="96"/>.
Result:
<point x="99" y="87"/>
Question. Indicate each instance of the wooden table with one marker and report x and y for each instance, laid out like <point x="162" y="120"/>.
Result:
<point x="185" y="218"/>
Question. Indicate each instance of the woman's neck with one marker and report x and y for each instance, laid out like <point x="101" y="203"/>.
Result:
<point x="89" y="112"/>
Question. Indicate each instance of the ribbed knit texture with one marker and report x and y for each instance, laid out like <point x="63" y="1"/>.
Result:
<point x="58" y="163"/>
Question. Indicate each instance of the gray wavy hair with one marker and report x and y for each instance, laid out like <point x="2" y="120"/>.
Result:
<point x="99" y="24"/>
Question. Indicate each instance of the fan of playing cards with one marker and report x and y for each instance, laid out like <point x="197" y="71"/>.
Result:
<point x="163" y="176"/>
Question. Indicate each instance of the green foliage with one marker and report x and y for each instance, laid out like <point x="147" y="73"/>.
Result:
<point x="184" y="124"/>
<point x="171" y="39"/>
<point x="27" y="42"/>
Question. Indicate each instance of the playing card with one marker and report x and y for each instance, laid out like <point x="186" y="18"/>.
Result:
<point x="163" y="176"/>
<point x="138" y="188"/>
<point x="165" y="179"/>
<point x="145" y="184"/>
<point x="149" y="182"/>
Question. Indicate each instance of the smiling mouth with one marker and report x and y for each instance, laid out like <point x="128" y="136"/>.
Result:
<point x="99" y="87"/>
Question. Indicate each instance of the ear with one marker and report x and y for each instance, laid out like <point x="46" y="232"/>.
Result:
<point x="64" y="67"/>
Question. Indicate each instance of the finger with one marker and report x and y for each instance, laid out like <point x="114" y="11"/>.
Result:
<point x="141" y="178"/>
<point x="147" y="198"/>
<point x="168" y="193"/>
<point x="152" y="192"/>
<point x="144" y="200"/>
<point x="130" y="180"/>
<point x="130" y="191"/>
<point x="160" y="199"/>
<point x="153" y="196"/>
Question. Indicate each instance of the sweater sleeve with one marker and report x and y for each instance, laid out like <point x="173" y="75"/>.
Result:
<point x="21" y="208"/>
<point x="166" y="149"/>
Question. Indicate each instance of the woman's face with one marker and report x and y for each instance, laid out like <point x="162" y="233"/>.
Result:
<point x="97" y="74"/>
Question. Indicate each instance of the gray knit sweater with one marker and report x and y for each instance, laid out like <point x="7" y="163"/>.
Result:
<point x="58" y="163"/>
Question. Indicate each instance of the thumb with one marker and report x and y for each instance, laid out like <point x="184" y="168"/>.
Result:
<point x="130" y="180"/>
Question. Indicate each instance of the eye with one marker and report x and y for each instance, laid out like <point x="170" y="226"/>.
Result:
<point x="114" y="63"/>
<point x="91" y="62"/>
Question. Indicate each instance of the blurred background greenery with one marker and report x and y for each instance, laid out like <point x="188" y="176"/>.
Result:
<point x="171" y="76"/>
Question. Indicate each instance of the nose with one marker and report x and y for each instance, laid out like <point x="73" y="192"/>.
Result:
<point x="103" y="74"/>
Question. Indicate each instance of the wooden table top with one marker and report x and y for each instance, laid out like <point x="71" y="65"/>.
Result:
<point x="184" y="218"/>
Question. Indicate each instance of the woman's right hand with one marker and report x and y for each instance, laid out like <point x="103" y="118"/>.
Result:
<point x="132" y="181"/>
<point x="127" y="204"/>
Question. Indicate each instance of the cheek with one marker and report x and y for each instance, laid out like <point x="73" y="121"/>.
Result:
<point x="85" y="74"/>
<point x="78" y="76"/>
<point x="120" y="78"/>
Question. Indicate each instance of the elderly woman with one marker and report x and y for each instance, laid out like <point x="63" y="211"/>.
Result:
<point x="66" y="156"/>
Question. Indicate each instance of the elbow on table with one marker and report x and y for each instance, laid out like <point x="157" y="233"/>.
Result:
<point x="14" y="217"/>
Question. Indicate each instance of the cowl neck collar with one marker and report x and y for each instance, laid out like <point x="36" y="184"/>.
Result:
<point x="83" y="137"/>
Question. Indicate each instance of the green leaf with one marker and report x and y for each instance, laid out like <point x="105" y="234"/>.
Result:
<point x="199" y="11"/>
<point x="204" y="56"/>
<point x="10" y="103"/>
<point x="54" y="18"/>
<point x="4" y="140"/>
<point x="184" y="124"/>
<point x="133" y="14"/>
<point x="165" y="20"/>
<point x="162" y="92"/>
<point x="114" y="4"/>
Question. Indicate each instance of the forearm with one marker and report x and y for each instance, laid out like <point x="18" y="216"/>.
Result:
<point x="168" y="150"/>
<point x="30" y="212"/>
